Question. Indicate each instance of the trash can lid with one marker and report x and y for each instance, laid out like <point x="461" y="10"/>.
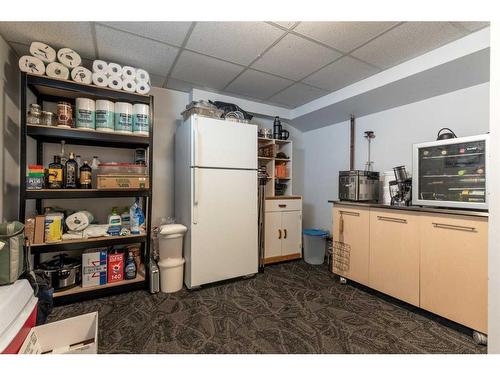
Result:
<point x="316" y="232"/>
<point x="171" y="262"/>
<point x="169" y="229"/>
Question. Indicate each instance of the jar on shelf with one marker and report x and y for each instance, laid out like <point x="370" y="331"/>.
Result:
<point x="48" y="118"/>
<point x="34" y="115"/>
<point x="64" y="115"/>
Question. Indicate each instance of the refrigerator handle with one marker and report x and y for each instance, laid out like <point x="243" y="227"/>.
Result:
<point x="195" y="142"/>
<point x="195" y="197"/>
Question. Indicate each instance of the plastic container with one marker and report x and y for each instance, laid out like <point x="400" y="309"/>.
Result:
<point x="104" y="116"/>
<point x="85" y="113"/>
<point x="122" y="168"/>
<point x="170" y="240"/>
<point x="123" y="117"/>
<point x="314" y="246"/>
<point x="171" y="274"/>
<point x="140" y="119"/>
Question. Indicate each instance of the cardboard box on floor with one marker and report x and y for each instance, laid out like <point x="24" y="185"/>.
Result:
<point x="77" y="335"/>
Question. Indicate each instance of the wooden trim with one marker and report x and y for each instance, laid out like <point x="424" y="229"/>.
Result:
<point x="282" y="258"/>
<point x="276" y="197"/>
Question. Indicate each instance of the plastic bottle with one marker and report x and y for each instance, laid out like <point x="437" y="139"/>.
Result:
<point x="125" y="215"/>
<point x="136" y="217"/>
<point x="130" y="267"/>
<point x="114" y="222"/>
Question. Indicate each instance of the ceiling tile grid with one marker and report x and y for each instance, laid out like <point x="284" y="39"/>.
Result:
<point x="286" y="62"/>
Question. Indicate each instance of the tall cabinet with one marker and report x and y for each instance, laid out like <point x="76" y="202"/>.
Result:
<point x="283" y="210"/>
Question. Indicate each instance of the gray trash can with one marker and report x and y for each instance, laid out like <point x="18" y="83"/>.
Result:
<point x="314" y="245"/>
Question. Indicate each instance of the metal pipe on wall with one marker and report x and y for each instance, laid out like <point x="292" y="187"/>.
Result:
<point x="352" y="140"/>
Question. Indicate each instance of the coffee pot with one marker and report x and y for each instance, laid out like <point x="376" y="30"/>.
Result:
<point x="277" y="128"/>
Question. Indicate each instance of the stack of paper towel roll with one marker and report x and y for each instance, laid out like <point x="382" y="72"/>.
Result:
<point x="45" y="60"/>
<point x="124" y="78"/>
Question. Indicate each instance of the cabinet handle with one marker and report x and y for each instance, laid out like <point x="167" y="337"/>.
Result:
<point x="341" y="224"/>
<point x="454" y="227"/>
<point x="392" y="219"/>
<point x="281" y="205"/>
<point x="285" y="233"/>
<point x="349" y="213"/>
<point x="279" y="234"/>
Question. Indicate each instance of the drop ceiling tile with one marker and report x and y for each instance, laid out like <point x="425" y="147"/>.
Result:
<point x="168" y="32"/>
<point x="179" y="85"/>
<point x="125" y="49"/>
<point x="407" y="41"/>
<point x="340" y="74"/>
<point x="294" y="58"/>
<point x="297" y="94"/>
<point x="344" y="36"/>
<point x="287" y="24"/>
<point x="157" y="80"/>
<point x="473" y="25"/>
<point x="257" y="85"/>
<point x="204" y="71"/>
<point x="75" y="35"/>
<point x="239" y="42"/>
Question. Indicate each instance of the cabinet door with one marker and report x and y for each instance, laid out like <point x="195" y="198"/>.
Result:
<point x="394" y="253"/>
<point x="351" y="225"/>
<point x="454" y="268"/>
<point x="291" y="222"/>
<point x="273" y="234"/>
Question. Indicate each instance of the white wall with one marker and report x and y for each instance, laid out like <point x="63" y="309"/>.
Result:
<point x="9" y="133"/>
<point x="327" y="149"/>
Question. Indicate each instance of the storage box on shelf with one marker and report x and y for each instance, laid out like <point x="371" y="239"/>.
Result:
<point x="53" y="90"/>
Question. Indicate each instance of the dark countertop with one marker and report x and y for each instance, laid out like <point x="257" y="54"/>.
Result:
<point x="449" y="211"/>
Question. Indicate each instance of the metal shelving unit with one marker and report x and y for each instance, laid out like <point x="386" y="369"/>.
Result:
<point x="47" y="89"/>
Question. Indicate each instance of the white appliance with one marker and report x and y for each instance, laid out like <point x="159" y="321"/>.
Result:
<point x="216" y="198"/>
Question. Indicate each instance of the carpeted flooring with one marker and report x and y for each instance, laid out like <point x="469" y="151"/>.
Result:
<point x="291" y="308"/>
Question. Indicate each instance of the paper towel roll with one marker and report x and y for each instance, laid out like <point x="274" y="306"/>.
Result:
<point x="43" y="51"/>
<point x="128" y="72"/>
<point x="114" y="70"/>
<point x="68" y="57"/>
<point x="79" y="221"/>
<point x="129" y="85"/>
<point x="82" y="75"/>
<point x="31" y="64"/>
<point x="100" y="79"/>
<point x="115" y="82"/>
<point x="57" y="70"/>
<point x="142" y="88"/>
<point x="141" y="76"/>
<point x="99" y="66"/>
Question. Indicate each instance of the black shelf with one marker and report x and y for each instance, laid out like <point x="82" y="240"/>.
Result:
<point x="86" y="244"/>
<point x="52" y="89"/>
<point x="52" y="134"/>
<point x="84" y="193"/>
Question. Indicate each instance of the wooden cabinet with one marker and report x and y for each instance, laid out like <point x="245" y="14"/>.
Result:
<point x="351" y="225"/>
<point x="394" y="253"/>
<point x="283" y="229"/>
<point x="454" y="268"/>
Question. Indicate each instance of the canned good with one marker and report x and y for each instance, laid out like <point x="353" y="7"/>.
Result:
<point x="48" y="118"/>
<point x="64" y="115"/>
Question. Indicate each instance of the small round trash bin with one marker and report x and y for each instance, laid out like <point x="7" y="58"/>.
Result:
<point x="314" y="246"/>
<point x="171" y="274"/>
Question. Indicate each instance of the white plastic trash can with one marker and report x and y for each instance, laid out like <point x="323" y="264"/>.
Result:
<point x="170" y="241"/>
<point x="171" y="274"/>
<point x="314" y="246"/>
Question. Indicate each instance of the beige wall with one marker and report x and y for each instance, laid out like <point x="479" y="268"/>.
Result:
<point x="9" y="132"/>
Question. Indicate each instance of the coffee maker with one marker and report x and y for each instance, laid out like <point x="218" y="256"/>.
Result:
<point x="400" y="188"/>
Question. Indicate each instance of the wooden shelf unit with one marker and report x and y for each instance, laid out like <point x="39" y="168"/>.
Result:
<point x="47" y="89"/>
<point x="270" y="163"/>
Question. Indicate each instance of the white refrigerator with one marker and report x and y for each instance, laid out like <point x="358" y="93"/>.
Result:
<point x="216" y="198"/>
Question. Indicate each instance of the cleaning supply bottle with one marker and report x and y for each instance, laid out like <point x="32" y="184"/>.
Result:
<point x="136" y="217"/>
<point x="130" y="267"/>
<point x="125" y="215"/>
<point x="114" y="222"/>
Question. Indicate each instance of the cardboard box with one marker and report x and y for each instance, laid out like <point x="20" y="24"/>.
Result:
<point x="94" y="267"/>
<point x="39" y="235"/>
<point x="77" y="335"/>
<point x="115" y="181"/>
<point x="115" y="267"/>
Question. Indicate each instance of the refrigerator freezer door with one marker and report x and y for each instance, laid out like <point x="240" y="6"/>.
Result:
<point x="223" y="144"/>
<point x="224" y="227"/>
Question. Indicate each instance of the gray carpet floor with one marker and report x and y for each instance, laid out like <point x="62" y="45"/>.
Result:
<point x="291" y="308"/>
